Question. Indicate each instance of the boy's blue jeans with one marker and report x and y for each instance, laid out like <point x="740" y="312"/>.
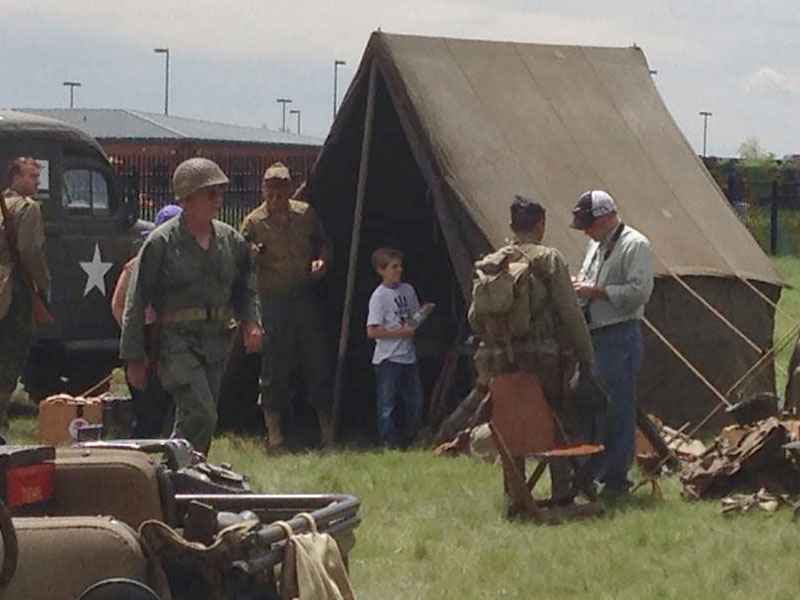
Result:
<point x="618" y="351"/>
<point x="396" y="381"/>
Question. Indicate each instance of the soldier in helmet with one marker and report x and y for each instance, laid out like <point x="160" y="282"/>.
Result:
<point x="291" y="249"/>
<point x="196" y="272"/>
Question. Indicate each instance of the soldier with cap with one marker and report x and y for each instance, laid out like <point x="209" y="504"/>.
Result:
<point x="614" y="284"/>
<point x="17" y="326"/>
<point x="291" y="249"/>
<point x="556" y="338"/>
<point x="196" y="272"/>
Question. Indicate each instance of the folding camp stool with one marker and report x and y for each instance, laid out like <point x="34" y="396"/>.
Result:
<point x="523" y="425"/>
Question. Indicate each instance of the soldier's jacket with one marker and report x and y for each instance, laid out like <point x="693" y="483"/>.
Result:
<point x="287" y="250"/>
<point x="557" y="324"/>
<point x="174" y="272"/>
<point x="29" y="226"/>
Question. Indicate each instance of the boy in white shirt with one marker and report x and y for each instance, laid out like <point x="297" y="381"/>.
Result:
<point x="394" y="315"/>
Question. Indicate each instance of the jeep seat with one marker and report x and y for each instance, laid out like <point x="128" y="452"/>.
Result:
<point x="124" y="484"/>
<point x="59" y="557"/>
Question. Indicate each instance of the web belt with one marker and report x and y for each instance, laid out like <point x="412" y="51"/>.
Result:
<point x="181" y="315"/>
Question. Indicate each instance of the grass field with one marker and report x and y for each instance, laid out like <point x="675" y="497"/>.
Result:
<point x="789" y="266"/>
<point x="433" y="528"/>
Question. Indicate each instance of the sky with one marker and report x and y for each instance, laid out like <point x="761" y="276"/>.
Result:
<point x="231" y="59"/>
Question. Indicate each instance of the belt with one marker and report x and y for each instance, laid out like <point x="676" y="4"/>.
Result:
<point x="181" y="315"/>
<point x="605" y="328"/>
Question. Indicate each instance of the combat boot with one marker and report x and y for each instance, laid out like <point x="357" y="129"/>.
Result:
<point x="272" y="418"/>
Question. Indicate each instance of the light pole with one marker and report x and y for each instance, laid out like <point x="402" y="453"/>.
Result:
<point x="72" y="85"/>
<point x="296" y="112"/>
<point x="284" y="102"/>
<point x="336" y="64"/>
<point x="165" y="51"/>
<point x="705" y="114"/>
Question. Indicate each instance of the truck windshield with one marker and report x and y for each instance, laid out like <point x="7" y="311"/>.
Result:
<point x="85" y="190"/>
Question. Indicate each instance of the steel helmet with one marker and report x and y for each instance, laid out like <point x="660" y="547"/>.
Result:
<point x="194" y="174"/>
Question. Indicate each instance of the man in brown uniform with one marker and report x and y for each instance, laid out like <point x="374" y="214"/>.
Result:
<point x="16" y="323"/>
<point x="291" y="249"/>
<point x="558" y="335"/>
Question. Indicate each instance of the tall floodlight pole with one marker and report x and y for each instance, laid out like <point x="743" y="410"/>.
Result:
<point x="72" y="85"/>
<point x="284" y="102"/>
<point x="336" y="64"/>
<point x="705" y="114"/>
<point x="165" y="51"/>
<point x="296" y="112"/>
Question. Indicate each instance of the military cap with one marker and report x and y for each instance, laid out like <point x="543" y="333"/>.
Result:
<point x="277" y="171"/>
<point x="194" y="174"/>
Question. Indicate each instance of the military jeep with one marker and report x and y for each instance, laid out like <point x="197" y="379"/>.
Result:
<point x="147" y="520"/>
<point x="90" y="229"/>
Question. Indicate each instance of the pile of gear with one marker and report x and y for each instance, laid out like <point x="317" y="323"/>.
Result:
<point x="747" y="458"/>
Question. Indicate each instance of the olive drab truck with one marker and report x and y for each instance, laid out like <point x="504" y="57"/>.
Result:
<point x="91" y="231"/>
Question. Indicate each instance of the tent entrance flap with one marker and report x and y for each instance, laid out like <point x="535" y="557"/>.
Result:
<point x="398" y="211"/>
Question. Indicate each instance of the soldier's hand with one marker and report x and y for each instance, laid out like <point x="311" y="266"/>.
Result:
<point x="318" y="267"/>
<point x="253" y="338"/>
<point x="136" y="370"/>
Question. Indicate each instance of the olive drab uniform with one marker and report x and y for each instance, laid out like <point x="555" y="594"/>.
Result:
<point x="195" y="293"/>
<point x="294" y="330"/>
<point x="17" y="328"/>
<point x="557" y="337"/>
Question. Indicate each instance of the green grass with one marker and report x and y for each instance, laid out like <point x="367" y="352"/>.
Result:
<point x="433" y="527"/>
<point x="789" y="266"/>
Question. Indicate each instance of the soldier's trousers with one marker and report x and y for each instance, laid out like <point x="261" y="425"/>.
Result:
<point x="294" y="340"/>
<point x="16" y="335"/>
<point x="193" y="383"/>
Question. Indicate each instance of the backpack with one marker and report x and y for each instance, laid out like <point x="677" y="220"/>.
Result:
<point x="505" y="297"/>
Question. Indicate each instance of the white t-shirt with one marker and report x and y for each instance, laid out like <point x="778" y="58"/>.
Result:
<point x="390" y="308"/>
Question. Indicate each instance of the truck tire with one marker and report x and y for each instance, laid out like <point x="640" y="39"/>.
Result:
<point x="118" y="589"/>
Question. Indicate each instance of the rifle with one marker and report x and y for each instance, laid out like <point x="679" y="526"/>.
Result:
<point x="41" y="314"/>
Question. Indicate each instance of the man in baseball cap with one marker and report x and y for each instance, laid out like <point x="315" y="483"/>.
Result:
<point x="591" y="206"/>
<point x="196" y="272"/>
<point x="291" y="251"/>
<point x="613" y="285"/>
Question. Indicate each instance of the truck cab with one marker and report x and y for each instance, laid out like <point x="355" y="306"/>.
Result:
<point x="91" y="231"/>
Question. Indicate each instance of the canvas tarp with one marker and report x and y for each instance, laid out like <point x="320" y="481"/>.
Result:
<point x="483" y="121"/>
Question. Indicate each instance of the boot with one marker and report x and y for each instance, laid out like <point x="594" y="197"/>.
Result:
<point x="272" y="418"/>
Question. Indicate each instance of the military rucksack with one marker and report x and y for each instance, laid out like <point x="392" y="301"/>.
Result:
<point x="506" y="297"/>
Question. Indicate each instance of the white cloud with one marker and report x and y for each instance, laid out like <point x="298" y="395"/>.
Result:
<point x="314" y="28"/>
<point x="767" y="79"/>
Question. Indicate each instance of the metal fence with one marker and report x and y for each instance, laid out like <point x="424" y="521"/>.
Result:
<point x="148" y="177"/>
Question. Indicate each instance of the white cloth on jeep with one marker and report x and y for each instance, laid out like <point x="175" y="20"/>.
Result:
<point x="313" y="568"/>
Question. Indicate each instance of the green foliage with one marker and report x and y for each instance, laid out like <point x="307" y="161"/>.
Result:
<point x="752" y="154"/>
<point x="757" y="221"/>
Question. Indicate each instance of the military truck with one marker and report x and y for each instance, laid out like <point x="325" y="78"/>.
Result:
<point x="91" y="230"/>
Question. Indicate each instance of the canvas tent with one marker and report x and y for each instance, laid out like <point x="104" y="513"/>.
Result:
<point x="455" y="128"/>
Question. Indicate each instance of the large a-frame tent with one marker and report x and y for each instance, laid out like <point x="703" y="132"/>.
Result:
<point x="435" y="137"/>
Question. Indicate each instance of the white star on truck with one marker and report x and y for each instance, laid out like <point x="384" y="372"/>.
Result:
<point x="96" y="271"/>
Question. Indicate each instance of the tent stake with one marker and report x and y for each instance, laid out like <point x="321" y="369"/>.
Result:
<point x="358" y="214"/>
